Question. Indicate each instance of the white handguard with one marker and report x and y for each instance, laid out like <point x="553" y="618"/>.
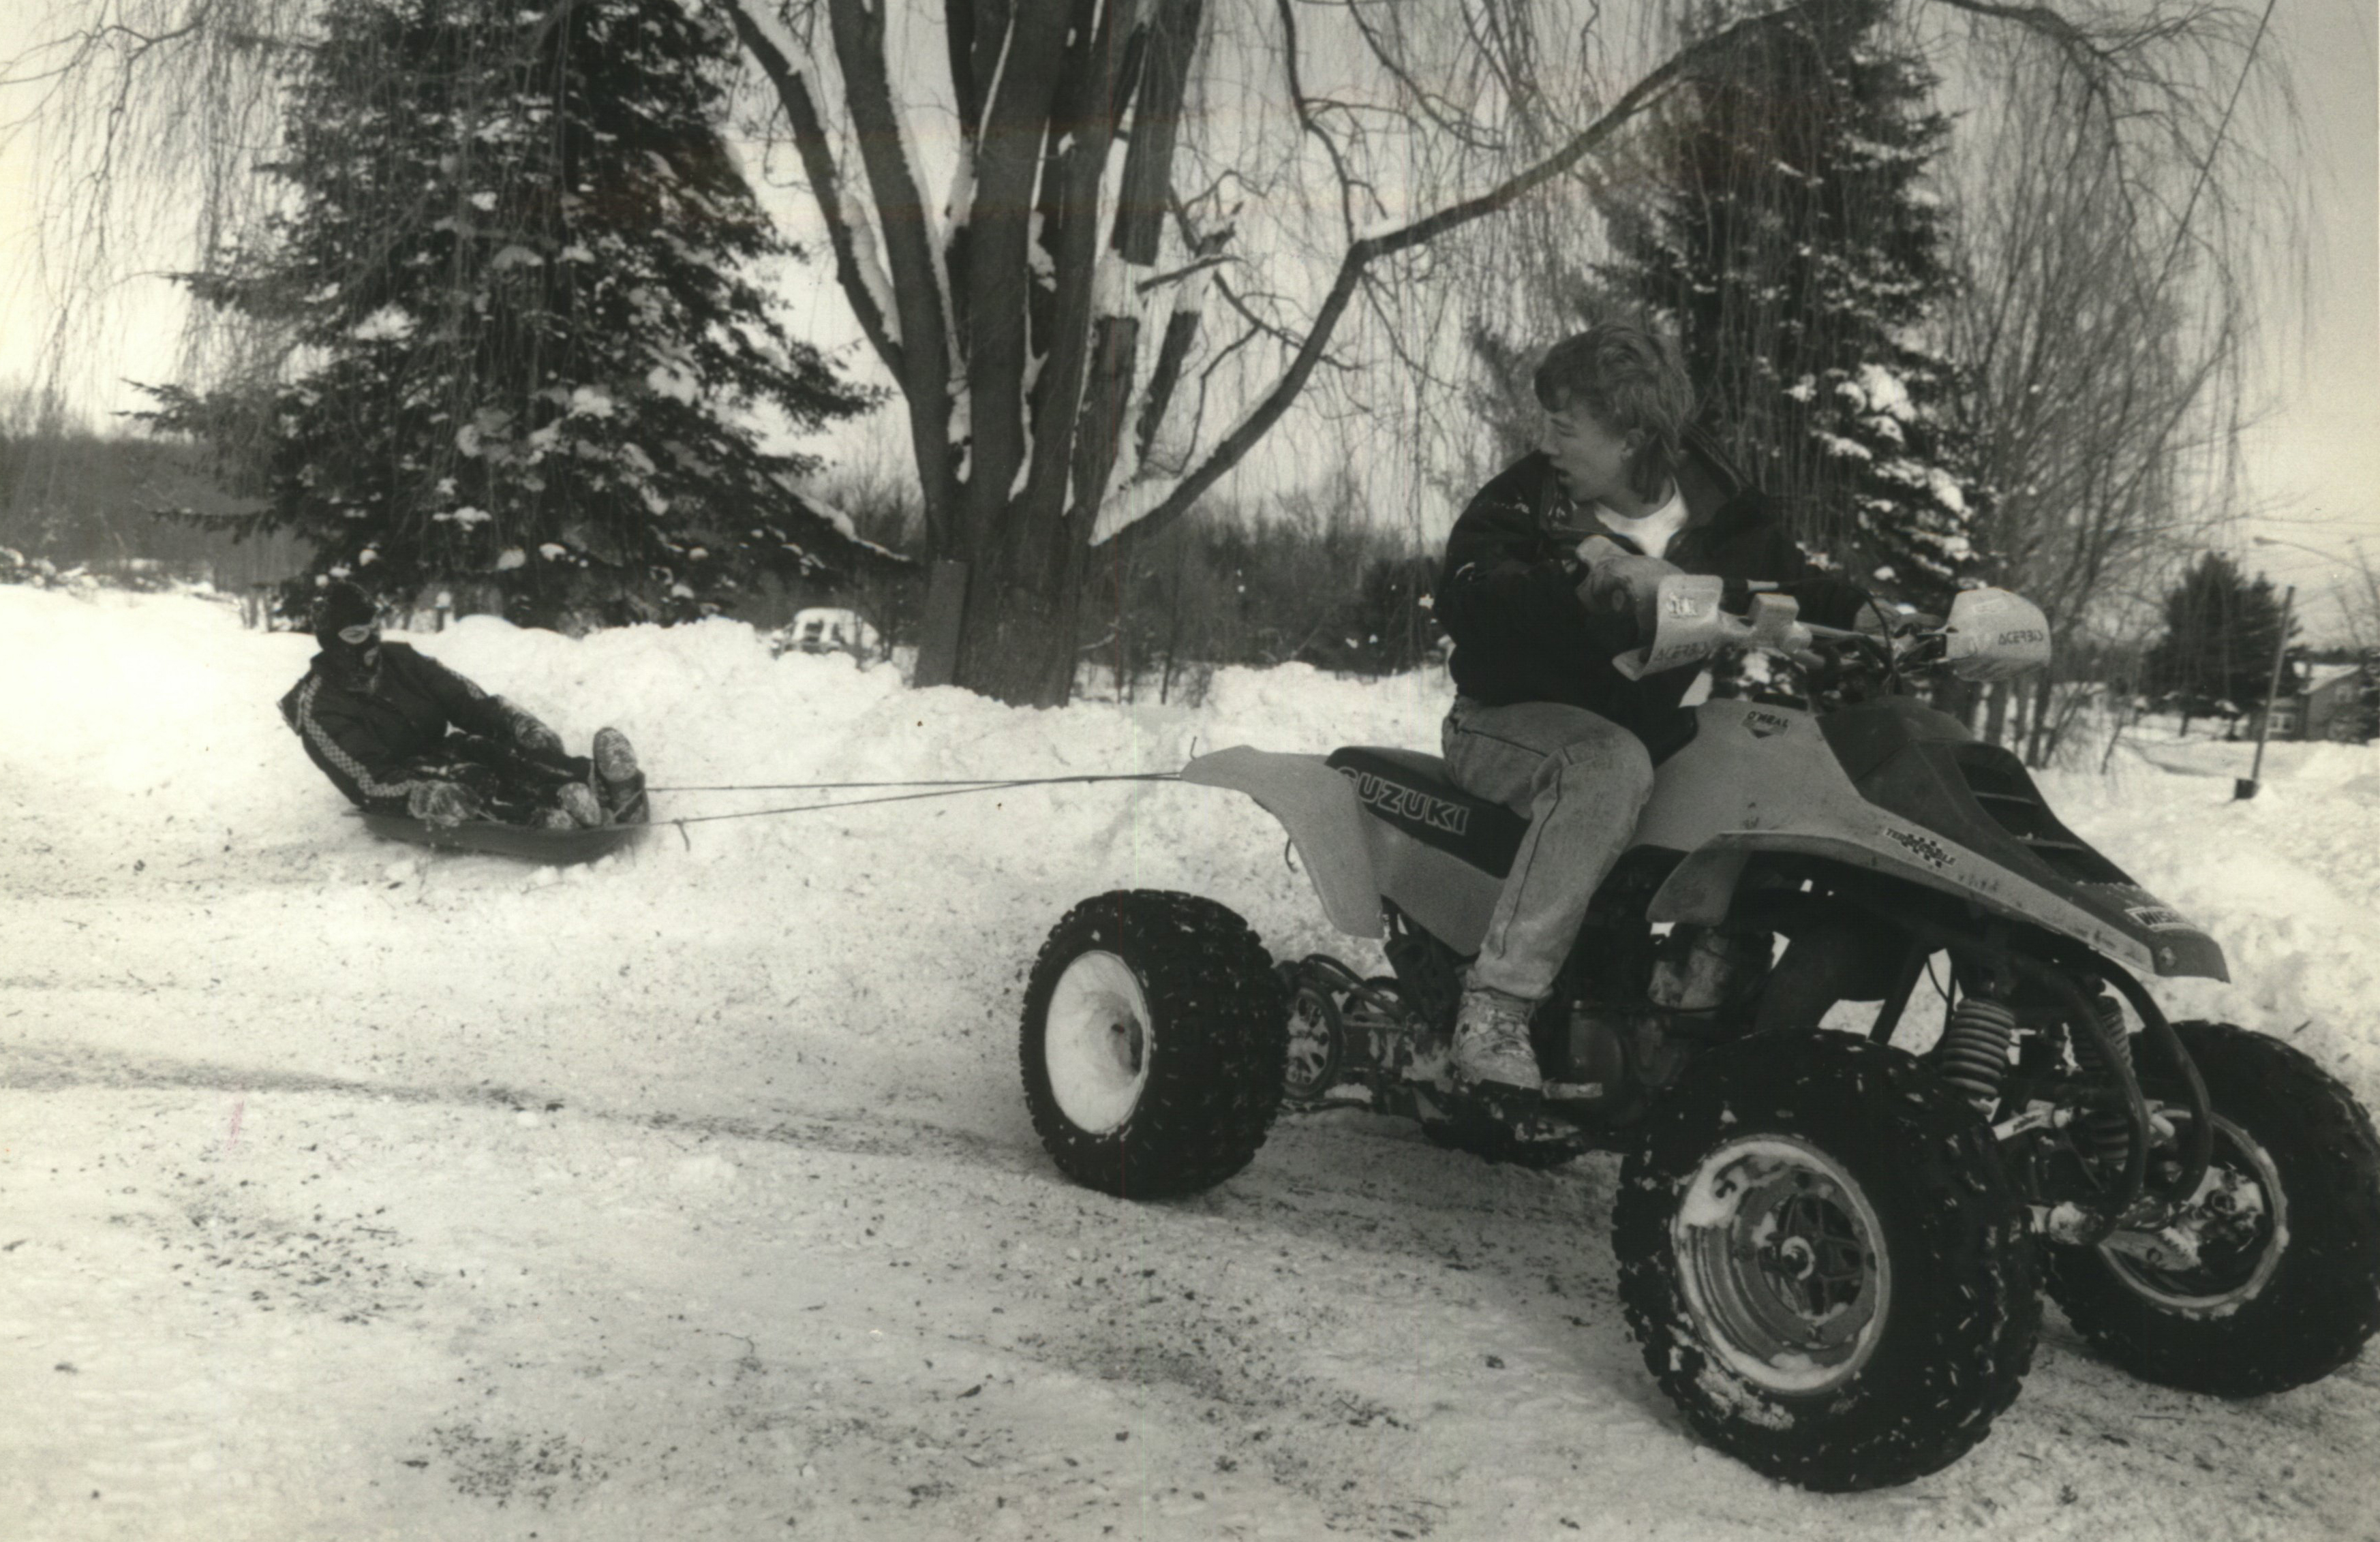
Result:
<point x="1774" y="625"/>
<point x="1688" y="627"/>
<point x="1993" y="635"/>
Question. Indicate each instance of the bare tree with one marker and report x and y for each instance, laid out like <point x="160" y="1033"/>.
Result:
<point x="2106" y="317"/>
<point x="152" y="117"/>
<point x="1102" y="247"/>
<point x="2359" y="602"/>
<point x="1050" y="328"/>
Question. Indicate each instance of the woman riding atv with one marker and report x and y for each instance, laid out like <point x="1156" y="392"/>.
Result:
<point x="1830" y="1245"/>
<point x="1547" y="575"/>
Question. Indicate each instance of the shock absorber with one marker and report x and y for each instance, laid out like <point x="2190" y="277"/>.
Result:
<point x="1974" y="1050"/>
<point x="2104" y="1130"/>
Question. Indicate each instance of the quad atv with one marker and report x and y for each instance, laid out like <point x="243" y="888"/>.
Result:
<point x="1829" y="1245"/>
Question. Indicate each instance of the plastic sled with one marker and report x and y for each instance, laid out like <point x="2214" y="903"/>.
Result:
<point x="549" y="848"/>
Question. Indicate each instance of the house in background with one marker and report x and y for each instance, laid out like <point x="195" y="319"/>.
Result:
<point x="2341" y="703"/>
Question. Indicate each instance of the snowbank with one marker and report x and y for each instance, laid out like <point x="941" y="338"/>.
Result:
<point x="349" y="1192"/>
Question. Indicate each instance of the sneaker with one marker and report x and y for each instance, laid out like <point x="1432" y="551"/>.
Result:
<point x="618" y="782"/>
<point x="1491" y="1040"/>
<point x="575" y="803"/>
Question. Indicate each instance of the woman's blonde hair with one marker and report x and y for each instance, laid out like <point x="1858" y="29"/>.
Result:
<point x="1630" y="379"/>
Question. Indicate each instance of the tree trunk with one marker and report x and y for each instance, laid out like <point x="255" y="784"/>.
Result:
<point x="2123" y="718"/>
<point x="1957" y="698"/>
<point x="1174" y="630"/>
<point x="1017" y="645"/>
<point x="938" y="640"/>
<point x="1017" y="640"/>
<point x="1995" y="705"/>
<point x="2041" y="740"/>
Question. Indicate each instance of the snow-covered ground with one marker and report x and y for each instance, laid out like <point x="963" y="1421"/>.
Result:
<point x="351" y="1192"/>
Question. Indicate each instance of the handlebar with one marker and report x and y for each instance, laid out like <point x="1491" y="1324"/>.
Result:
<point x="1990" y="633"/>
<point x="1825" y="655"/>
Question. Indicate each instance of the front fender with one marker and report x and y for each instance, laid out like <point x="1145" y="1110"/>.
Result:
<point x="1700" y="890"/>
<point x="1325" y="820"/>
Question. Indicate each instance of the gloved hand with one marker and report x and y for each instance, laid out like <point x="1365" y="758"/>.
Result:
<point x="1619" y="582"/>
<point x="441" y="804"/>
<point x="529" y="732"/>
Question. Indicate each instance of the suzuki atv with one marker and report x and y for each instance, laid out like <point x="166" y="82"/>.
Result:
<point x="1829" y="1244"/>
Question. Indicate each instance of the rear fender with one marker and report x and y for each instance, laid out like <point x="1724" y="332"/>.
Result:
<point x="1325" y="820"/>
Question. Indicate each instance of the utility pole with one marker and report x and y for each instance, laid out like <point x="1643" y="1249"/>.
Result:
<point x="2242" y="787"/>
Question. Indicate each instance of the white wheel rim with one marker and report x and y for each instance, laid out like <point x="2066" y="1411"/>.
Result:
<point x="1791" y="1317"/>
<point x="2192" y="1293"/>
<point x="1311" y="1045"/>
<point x="1097" y="1041"/>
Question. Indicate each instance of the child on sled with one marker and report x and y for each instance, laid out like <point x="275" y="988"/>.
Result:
<point x="399" y="732"/>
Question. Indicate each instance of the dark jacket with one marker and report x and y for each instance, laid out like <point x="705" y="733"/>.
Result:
<point x="1507" y="594"/>
<point x="365" y="740"/>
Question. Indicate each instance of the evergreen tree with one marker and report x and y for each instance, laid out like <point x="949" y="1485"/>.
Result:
<point x="2221" y="631"/>
<point x="1783" y="228"/>
<point x="518" y="271"/>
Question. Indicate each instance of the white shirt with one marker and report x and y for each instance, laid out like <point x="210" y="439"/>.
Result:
<point x="1651" y="532"/>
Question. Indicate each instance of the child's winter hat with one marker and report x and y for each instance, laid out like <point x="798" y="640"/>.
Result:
<point x="342" y="604"/>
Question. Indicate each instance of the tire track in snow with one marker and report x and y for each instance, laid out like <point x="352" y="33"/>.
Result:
<point x="35" y="1067"/>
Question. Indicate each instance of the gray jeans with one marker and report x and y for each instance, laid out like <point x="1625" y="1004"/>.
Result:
<point x="1581" y="780"/>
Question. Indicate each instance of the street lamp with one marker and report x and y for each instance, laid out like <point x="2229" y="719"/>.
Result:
<point x="2332" y="558"/>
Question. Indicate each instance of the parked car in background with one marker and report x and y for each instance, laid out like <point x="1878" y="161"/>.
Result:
<point x="825" y="629"/>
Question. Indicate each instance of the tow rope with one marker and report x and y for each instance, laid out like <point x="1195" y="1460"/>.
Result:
<point x="953" y="788"/>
